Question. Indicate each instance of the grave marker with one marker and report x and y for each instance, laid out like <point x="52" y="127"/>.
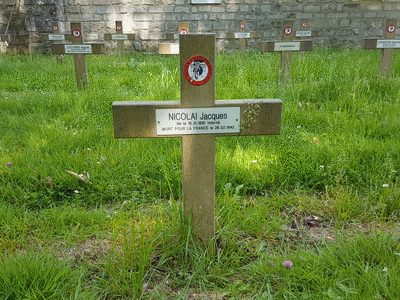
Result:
<point x="286" y="47"/>
<point x="388" y="44"/>
<point x="242" y="35"/>
<point x="79" y="50"/>
<point x="197" y="119"/>
<point x="56" y="36"/>
<point x="173" y="48"/>
<point x="120" y="36"/>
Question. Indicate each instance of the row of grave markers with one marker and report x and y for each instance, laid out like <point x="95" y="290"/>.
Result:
<point x="285" y="47"/>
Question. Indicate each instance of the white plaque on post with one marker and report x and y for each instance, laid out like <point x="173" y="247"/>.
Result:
<point x="56" y="37"/>
<point x="387" y="44"/>
<point x="78" y="49"/>
<point x="120" y="37"/>
<point x="287" y="46"/>
<point x="209" y="120"/>
<point x="206" y="1"/>
<point x="303" y="33"/>
<point x="242" y="35"/>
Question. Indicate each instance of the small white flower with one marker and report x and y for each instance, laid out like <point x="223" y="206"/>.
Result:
<point x="298" y="126"/>
<point x="385" y="185"/>
<point x="394" y="171"/>
<point x="254" y="161"/>
<point x="66" y="127"/>
<point x="88" y="149"/>
<point x="385" y="269"/>
<point x="98" y="162"/>
<point x="76" y="192"/>
<point x="322" y="166"/>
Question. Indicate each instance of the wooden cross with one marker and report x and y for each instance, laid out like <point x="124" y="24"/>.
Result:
<point x="79" y="50"/>
<point x="173" y="48"/>
<point x="4" y="38"/>
<point x="388" y="44"/>
<point x="197" y="118"/>
<point x="304" y="32"/>
<point x="120" y="37"/>
<point x="56" y="36"/>
<point x="242" y="35"/>
<point x="286" y="47"/>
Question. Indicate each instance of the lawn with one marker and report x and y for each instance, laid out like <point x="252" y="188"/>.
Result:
<point x="87" y="216"/>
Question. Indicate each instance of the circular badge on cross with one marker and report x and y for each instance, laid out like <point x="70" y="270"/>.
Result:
<point x="242" y="25"/>
<point x="183" y="31"/>
<point x="391" y="28"/>
<point x="119" y="27"/>
<point x="197" y="70"/>
<point x="55" y="27"/>
<point x="304" y="24"/>
<point x="76" y="33"/>
<point x="288" y="30"/>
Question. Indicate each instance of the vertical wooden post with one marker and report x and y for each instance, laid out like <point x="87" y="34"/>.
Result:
<point x="82" y="79"/>
<point x="198" y="155"/>
<point x="242" y="42"/>
<point x="385" y="65"/>
<point x="56" y="31"/>
<point x="286" y="56"/>
<point x="120" y="30"/>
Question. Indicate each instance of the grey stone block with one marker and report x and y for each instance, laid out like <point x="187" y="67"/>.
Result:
<point x="182" y="9"/>
<point x="156" y="9"/>
<point x="141" y="17"/>
<point x="192" y="17"/>
<point x="232" y="8"/>
<point x="226" y="16"/>
<point x="265" y="8"/>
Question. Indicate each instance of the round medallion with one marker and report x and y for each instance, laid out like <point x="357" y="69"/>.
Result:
<point x="76" y="33"/>
<point x="391" y="28"/>
<point x="242" y="25"/>
<point x="304" y="24"/>
<point x="197" y="70"/>
<point x="183" y="31"/>
<point x="55" y="28"/>
<point x="119" y="27"/>
<point x="288" y="30"/>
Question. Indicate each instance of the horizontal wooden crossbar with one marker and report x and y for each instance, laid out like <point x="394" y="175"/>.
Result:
<point x="60" y="48"/>
<point x="266" y="120"/>
<point x="231" y="35"/>
<point x="109" y="36"/>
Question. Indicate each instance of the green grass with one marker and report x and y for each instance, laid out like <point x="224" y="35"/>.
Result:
<point x="120" y="232"/>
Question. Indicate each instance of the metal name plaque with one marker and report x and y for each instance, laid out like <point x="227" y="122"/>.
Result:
<point x="387" y="44"/>
<point x="242" y="35"/>
<point x="206" y="1"/>
<point x="287" y="46"/>
<point x="78" y="49"/>
<point x="209" y="120"/>
<point x="56" y="37"/>
<point x="303" y="33"/>
<point x="119" y="37"/>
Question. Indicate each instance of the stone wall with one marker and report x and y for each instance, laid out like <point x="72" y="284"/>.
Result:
<point x="337" y="23"/>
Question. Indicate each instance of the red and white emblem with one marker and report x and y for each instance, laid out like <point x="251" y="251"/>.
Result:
<point x="183" y="31"/>
<point x="288" y="30"/>
<point x="242" y="25"/>
<point x="391" y="28"/>
<point x="197" y="70"/>
<point x="55" y="28"/>
<point x="119" y="27"/>
<point x="76" y="33"/>
<point x="304" y="24"/>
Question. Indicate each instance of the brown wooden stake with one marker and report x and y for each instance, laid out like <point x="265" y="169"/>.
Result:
<point x="242" y="35"/>
<point x="385" y="65"/>
<point x="286" y="47"/>
<point x="387" y="46"/>
<point x="79" y="50"/>
<point x="197" y="119"/>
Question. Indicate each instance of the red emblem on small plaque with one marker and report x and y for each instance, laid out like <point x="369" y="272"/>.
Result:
<point x="55" y="28"/>
<point x="288" y="30"/>
<point x="183" y="31"/>
<point x="76" y="33"/>
<point x="391" y="28"/>
<point x="119" y="27"/>
<point x="304" y="24"/>
<point x="242" y="25"/>
<point x="197" y="70"/>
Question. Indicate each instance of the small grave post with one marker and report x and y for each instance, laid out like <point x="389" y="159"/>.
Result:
<point x="173" y="48"/>
<point x="79" y="50"/>
<point x="242" y="35"/>
<point x="197" y="118"/>
<point x="387" y="46"/>
<point x="286" y="47"/>
<point x="120" y="37"/>
<point x="56" y="36"/>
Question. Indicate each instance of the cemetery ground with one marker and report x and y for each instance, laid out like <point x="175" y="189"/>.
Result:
<point x="87" y="216"/>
